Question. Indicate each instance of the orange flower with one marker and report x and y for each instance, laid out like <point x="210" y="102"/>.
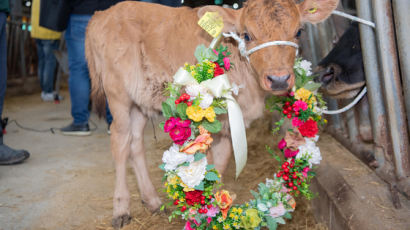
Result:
<point x="201" y="142"/>
<point x="224" y="201"/>
<point x="292" y="203"/>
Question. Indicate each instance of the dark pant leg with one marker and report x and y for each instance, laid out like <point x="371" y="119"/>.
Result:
<point x="3" y="59"/>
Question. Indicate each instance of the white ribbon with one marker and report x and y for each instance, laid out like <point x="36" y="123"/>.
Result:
<point x="220" y="87"/>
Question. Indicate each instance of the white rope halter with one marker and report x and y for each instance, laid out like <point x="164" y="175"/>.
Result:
<point x="245" y="53"/>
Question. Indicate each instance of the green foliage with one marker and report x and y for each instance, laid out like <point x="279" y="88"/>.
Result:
<point x="167" y="110"/>
<point x="220" y="110"/>
<point x="181" y="111"/>
<point x="212" y="127"/>
<point x="203" y="53"/>
<point x="211" y="176"/>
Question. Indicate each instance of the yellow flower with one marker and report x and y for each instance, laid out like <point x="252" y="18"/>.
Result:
<point x="231" y="215"/>
<point x="236" y="217"/>
<point x="172" y="180"/>
<point x="304" y="95"/>
<point x="195" y="113"/>
<point x="210" y="114"/>
<point x="226" y="226"/>
<point x="214" y="227"/>
<point x="209" y="70"/>
<point x="240" y="211"/>
<point x="325" y="121"/>
<point x="251" y="220"/>
<point x="234" y="209"/>
<point x="181" y="199"/>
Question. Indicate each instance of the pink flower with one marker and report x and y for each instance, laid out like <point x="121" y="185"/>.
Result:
<point x="224" y="53"/>
<point x="209" y="220"/>
<point x="296" y="122"/>
<point x="183" y="123"/>
<point x="180" y="134"/>
<point x="212" y="211"/>
<point x="227" y="63"/>
<point x="289" y="153"/>
<point x="292" y="94"/>
<point x="188" y="226"/>
<point x="282" y="144"/>
<point x="216" y="52"/>
<point x="277" y="211"/>
<point x="170" y="124"/>
<point x="305" y="171"/>
<point x="299" y="104"/>
<point x="196" y="222"/>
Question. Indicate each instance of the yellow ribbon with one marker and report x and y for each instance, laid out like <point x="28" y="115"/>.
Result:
<point x="220" y="87"/>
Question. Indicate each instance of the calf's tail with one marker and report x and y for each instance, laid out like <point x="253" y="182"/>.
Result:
<point x="98" y="98"/>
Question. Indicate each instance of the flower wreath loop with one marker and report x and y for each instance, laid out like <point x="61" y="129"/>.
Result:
<point x="193" y="185"/>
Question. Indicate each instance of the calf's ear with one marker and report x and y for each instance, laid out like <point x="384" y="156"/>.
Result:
<point x="230" y="16"/>
<point x="315" y="11"/>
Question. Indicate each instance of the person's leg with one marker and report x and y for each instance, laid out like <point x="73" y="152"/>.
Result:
<point x="79" y="80"/>
<point x="49" y="65"/>
<point x="40" y="66"/>
<point x="7" y="154"/>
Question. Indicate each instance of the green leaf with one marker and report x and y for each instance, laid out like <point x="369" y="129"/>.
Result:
<point x="280" y="220"/>
<point x="219" y="110"/>
<point x="185" y="164"/>
<point x="162" y="207"/>
<point x="204" y="53"/>
<point x="162" y="166"/>
<point x="200" y="186"/>
<point x="287" y="216"/>
<point x="181" y="111"/>
<point x="161" y="125"/>
<point x="213" y="127"/>
<point x="312" y="86"/>
<point x="198" y="156"/>
<point x="209" y="167"/>
<point x="211" y="176"/>
<point x="166" y="110"/>
<point x="272" y="225"/>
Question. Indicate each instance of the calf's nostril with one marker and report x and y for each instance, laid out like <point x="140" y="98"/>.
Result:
<point x="278" y="82"/>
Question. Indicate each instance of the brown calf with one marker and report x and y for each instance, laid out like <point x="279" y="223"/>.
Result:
<point x="133" y="48"/>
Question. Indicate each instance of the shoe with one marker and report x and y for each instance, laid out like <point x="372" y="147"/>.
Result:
<point x="57" y="96"/>
<point x="9" y="156"/>
<point x="76" y="130"/>
<point x="108" y="129"/>
<point x="47" y="96"/>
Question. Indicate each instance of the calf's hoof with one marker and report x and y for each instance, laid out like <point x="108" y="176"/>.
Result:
<point x="153" y="206"/>
<point x="120" y="221"/>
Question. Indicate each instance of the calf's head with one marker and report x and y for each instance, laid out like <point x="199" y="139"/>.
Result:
<point x="341" y="72"/>
<point x="261" y="21"/>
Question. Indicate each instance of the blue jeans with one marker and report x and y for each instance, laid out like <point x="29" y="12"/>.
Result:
<point x="3" y="59"/>
<point x="79" y="80"/>
<point x="46" y="63"/>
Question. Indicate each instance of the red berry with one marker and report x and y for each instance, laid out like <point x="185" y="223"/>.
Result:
<point x="203" y="197"/>
<point x="284" y="166"/>
<point x="291" y="165"/>
<point x="290" y="184"/>
<point x="205" y="210"/>
<point x="289" y="115"/>
<point x="279" y="175"/>
<point x="177" y="101"/>
<point x="287" y="103"/>
<point x="209" y="206"/>
<point x="295" y="188"/>
<point x="210" y="197"/>
<point x="286" y="170"/>
<point x="176" y="202"/>
<point x="184" y="97"/>
<point x="297" y="113"/>
<point x="203" y="202"/>
<point x="189" y="103"/>
<point x="286" y="163"/>
<point x="183" y="208"/>
<point x="285" y="177"/>
<point x="294" y="176"/>
<point x="285" y="112"/>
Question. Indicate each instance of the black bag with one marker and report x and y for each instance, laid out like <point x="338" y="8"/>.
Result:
<point x="54" y="14"/>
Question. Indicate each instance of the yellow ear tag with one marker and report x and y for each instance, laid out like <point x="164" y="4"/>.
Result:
<point x="312" y="10"/>
<point x="212" y="23"/>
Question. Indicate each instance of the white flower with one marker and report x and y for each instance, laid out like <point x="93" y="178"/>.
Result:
<point x="193" y="174"/>
<point x="197" y="90"/>
<point x="206" y="100"/>
<point x="310" y="151"/>
<point x="306" y="65"/>
<point x="172" y="158"/>
<point x="262" y="207"/>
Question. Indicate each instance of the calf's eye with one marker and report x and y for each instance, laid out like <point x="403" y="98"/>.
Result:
<point x="246" y="37"/>
<point x="298" y="33"/>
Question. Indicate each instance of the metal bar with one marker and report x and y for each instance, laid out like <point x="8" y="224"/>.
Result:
<point x="402" y="22"/>
<point x="373" y="82"/>
<point x="392" y="87"/>
<point x="352" y="126"/>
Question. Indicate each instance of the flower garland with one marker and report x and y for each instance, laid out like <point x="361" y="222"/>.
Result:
<point x="193" y="185"/>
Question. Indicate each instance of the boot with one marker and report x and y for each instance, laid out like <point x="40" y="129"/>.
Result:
<point x="10" y="156"/>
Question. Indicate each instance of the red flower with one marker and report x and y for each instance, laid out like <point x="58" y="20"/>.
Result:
<point x="218" y="70"/>
<point x="180" y="134"/>
<point x="289" y="153"/>
<point x="193" y="197"/>
<point x="309" y="128"/>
